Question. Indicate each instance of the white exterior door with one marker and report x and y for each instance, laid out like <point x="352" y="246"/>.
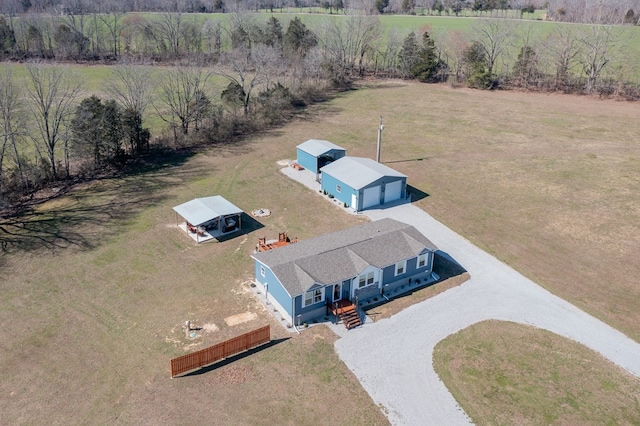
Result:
<point x="392" y="191"/>
<point x="354" y="201"/>
<point x="371" y="197"/>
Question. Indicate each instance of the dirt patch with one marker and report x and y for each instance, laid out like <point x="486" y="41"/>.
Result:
<point x="240" y="318"/>
<point x="210" y="328"/>
<point x="233" y="375"/>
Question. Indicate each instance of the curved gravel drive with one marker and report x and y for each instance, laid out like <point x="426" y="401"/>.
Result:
<point x="393" y="357"/>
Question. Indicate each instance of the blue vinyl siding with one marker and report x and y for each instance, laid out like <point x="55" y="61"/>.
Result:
<point x="276" y="290"/>
<point x="312" y="311"/>
<point x="389" y="273"/>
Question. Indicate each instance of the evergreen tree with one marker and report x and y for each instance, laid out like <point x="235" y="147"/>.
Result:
<point x="409" y="54"/>
<point x="97" y="131"/>
<point x="298" y="38"/>
<point x="427" y="64"/>
<point x="476" y="62"/>
<point x="273" y="35"/>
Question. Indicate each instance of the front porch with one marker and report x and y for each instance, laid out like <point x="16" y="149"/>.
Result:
<point x="347" y="312"/>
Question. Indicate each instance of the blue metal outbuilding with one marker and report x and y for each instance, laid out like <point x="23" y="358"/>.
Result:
<point x="316" y="153"/>
<point x="362" y="183"/>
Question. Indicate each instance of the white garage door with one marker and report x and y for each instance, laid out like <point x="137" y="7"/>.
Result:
<point x="392" y="191"/>
<point x="371" y="197"/>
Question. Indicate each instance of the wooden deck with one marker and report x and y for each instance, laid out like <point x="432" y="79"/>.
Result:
<point x="283" y="240"/>
<point x="347" y="312"/>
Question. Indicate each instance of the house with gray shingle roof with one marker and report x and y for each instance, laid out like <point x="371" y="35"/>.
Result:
<point x="304" y="279"/>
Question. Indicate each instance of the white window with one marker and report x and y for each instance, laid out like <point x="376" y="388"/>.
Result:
<point x="338" y="188"/>
<point x="313" y="296"/>
<point x="422" y="260"/>
<point x="262" y="271"/>
<point x="365" y="279"/>
<point x="401" y="267"/>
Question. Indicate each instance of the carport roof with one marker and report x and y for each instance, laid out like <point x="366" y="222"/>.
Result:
<point x="342" y="255"/>
<point x="358" y="172"/>
<point x="202" y="210"/>
<point x="317" y="147"/>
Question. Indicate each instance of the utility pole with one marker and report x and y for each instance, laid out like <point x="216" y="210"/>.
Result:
<point x="380" y="128"/>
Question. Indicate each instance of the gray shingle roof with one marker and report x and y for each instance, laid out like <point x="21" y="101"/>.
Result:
<point x="317" y="147"/>
<point x="342" y="255"/>
<point x="358" y="172"/>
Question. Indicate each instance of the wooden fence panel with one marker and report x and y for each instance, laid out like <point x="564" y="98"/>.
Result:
<point x="212" y="354"/>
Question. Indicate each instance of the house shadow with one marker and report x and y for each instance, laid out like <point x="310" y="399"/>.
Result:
<point x="446" y="266"/>
<point x="235" y="358"/>
<point x="249" y="224"/>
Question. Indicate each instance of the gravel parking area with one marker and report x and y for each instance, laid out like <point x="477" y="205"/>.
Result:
<point x="393" y="357"/>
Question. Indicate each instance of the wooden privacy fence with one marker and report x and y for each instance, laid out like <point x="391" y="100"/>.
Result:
<point x="222" y="350"/>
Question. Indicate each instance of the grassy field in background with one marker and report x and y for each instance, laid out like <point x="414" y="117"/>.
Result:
<point x="503" y="373"/>
<point x="103" y="280"/>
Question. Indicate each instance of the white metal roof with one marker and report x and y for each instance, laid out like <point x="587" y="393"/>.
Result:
<point x="201" y="210"/>
<point x="317" y="147"/>
<point x="358" y="172"/>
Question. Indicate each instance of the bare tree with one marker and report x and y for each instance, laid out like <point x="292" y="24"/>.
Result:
<point x="561" y="50"/>
<point x="495" y="36"/>
<point x="599" y="44"/>
<point x="52" y="93"/>
<point x="183" y="92"/>
<point x="132" y="88"/>
<point x="452" y="47"/>
<point x="112" y="21"/>
<point x="168" y="28"/>
<point x="249" y="68"/>
<point x="11" y="123"/>
<point x="346" y="43"/>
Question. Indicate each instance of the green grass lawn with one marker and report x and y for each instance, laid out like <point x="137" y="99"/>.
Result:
<point x="505" y="373"/>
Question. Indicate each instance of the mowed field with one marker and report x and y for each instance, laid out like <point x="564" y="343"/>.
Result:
<point x="95" y="298"/>
<point x="504" y="373"/>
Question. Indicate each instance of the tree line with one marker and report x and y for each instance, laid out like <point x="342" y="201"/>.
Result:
<point x="559" y="10"/>
<point x="270" y="68"/>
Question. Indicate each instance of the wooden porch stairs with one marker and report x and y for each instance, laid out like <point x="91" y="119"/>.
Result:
<point x="347" y="312"/>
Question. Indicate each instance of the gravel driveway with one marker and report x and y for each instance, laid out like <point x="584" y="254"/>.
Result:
<point x="393" y="357"/>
